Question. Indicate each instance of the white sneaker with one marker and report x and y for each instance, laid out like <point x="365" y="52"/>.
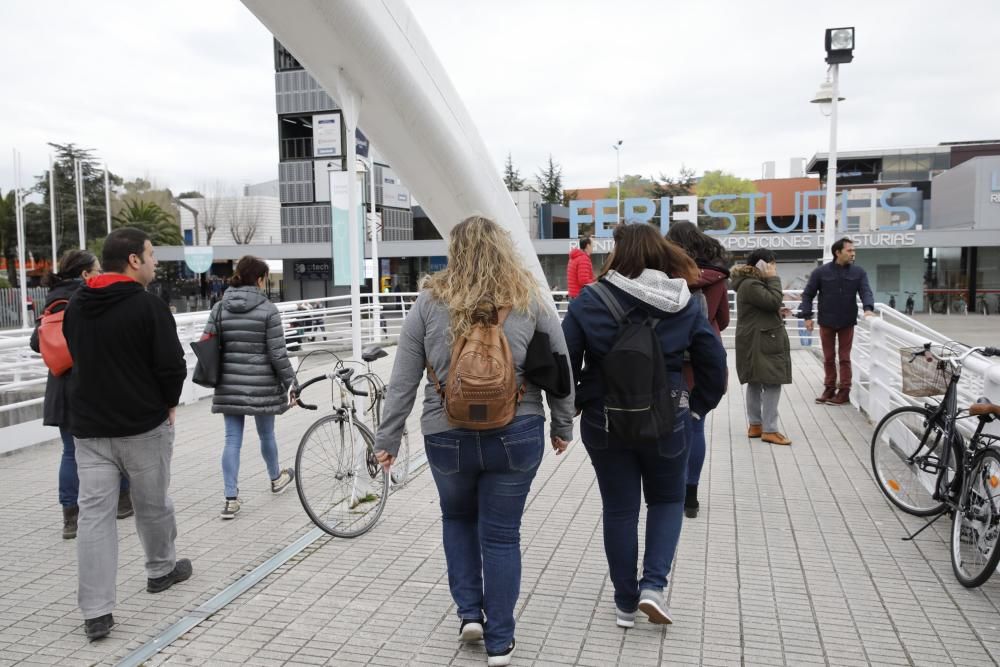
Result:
<point x="500" y="659"/>
<point x="230" y="510"/>
<point x="652" y="605"/>
<point x="624" y="619"/>
<point x="471" y="630"/>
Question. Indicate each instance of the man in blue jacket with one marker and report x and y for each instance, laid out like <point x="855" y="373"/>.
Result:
<point x="838" y="284"/>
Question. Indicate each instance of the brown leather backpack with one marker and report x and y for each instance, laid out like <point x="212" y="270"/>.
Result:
<point x="481" y="392"/>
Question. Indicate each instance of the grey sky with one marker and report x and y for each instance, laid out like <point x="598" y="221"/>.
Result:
<point x="181" y="92"/>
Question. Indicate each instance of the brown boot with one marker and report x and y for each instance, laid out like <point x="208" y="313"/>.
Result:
<point x="828" y="393"/>
<point x="842" y="397"/>
<point x="754" y="431"/>
<point x="775" y="438"/>
<point x="70" y="515"/>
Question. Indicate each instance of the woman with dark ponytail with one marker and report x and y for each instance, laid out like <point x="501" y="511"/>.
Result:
<point x="75" y="268"/>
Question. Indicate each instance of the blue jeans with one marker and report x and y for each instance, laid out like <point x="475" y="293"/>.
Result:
<point x="696" y="457"/>
<point x="483" y="478"/>
<point x="69" y="480"/>
<point x="234" y="441"/>
<point x="660" y="473"/>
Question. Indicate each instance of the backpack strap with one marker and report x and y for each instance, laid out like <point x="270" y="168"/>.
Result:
<point x="52" y="307"/>
<point x="610" y="301"/>
<point x="434" y="379"/>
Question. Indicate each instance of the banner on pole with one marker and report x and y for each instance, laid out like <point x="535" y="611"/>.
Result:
<point x="341" y="234"/>
<point x="198" y="258"/>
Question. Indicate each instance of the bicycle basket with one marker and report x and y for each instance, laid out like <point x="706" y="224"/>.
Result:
<point x="923" y="375"/>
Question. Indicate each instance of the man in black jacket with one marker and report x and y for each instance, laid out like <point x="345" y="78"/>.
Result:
<point x="128" y="371"/>
<point x="838" y="283"/>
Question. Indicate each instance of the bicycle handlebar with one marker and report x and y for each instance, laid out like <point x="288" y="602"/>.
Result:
<point x="342" y="375"/>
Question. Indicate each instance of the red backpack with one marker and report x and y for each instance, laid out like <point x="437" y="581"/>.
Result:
<point x="51" y="342"/>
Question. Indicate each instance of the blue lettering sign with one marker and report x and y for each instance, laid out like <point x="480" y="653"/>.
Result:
<point x="911" y="215"/>
<point x="720" y="214"/>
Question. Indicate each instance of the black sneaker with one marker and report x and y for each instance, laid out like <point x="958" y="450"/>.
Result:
<point x="471" y="629"/>
<point x="691" y="503"/>
<point x="100" y="627"/>
<point x="284" y="478"/>
<point x="181" y="572"/>
<point x="125" y="509"/>
<point x="500" y="659"/>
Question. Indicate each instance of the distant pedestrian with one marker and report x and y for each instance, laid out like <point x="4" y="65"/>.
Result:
<point x="763" y="353"/>
<point x="647" y="278"/>
<point x="839" y="284"/>
<point x="482" y="476"/>
<point x="580" y="270"/>
<point x="128" y="372"/>
<point x="712" y="286"/>
<point x="256" y="377"/>
<point x="75" y="268"/>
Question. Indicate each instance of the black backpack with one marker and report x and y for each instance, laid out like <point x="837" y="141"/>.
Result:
<point x="639" y="406"/>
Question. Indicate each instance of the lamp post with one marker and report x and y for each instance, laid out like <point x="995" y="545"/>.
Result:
<point x="618" y="175"/>
<point x="839" y="49"/>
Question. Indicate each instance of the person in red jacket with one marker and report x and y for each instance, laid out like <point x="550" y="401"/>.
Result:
<point x="579" y="271"/>
<point x="713" y="286"/>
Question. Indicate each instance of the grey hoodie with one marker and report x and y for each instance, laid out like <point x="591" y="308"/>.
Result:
<point x="256" y="373"/>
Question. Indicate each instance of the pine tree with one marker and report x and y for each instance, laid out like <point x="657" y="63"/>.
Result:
<point x="511" y="176"/>
<point x="550" y="183"/>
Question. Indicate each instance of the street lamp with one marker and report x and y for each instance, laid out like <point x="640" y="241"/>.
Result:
<point x="618" y="175"/>
<point x="839" y="44"/>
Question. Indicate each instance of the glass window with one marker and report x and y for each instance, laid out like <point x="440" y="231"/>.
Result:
<point x="887" y="278"/>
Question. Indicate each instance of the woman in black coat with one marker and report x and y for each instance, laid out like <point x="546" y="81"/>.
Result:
<point x="75" y="268"/>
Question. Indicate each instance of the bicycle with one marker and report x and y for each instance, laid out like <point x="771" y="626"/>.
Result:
<point x="958" y="305"/>
<point x="892" y="301"/>
<point x="924" y="468"/>
<point x="981" y="305"/>
<point x="910" y="302"/>
<point x="340" y="483"/>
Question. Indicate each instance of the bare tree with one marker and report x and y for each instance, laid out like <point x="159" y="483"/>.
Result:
<point x="209" y="206"/>
<point x="244" y="218"/>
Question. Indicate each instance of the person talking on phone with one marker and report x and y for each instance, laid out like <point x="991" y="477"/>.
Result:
<point x="763" y="353"/>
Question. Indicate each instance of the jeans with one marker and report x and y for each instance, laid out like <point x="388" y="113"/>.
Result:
<point x="145" y="459"/>
<point x="696" y="454"/>
<point x="69" y="480"/>
<point x="234" y="441"/>
<point x="621" y="475"/>
<point x="762" y="405"/>
<point x="844" y="341"/>
<point x="483" y="478"/>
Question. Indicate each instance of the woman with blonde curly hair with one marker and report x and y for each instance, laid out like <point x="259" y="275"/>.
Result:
<point x="482" y="476"/>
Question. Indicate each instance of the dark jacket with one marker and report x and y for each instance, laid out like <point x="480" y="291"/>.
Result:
<point x="763" y="354"/>
<point x="579" y="272"/>
<point x="55" y="409"/>
<point x="838" y="288"/>
<point x="591" y="330"/>
<point x="128" y="365"/>
<point x="713" y="284"/>
<point x="256" y="373"/>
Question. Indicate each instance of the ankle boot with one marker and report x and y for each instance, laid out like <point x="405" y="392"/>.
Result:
<point x="828" y="393"/>
<point x="691" y="504"/>
<point x="843" y="396"/>
<point x="70" y="515"/>
<point x="125" y="505"/>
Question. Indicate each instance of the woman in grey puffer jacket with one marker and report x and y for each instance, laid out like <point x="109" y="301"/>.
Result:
<point x="256" y="377"/>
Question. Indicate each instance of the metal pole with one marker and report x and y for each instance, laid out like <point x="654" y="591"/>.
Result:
<point x="618" y="178"/>
<point x="376" y="275"/>
<point x="830" y="218"/>
<point x="107" y="197"/>
<point x="52" y="213"/>
<point x="22" y="273"/>
<point x="80" y="221"/>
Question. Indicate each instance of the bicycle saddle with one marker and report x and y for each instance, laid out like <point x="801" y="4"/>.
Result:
<point x="984" y="407"/>
<point x="372" y="352"/>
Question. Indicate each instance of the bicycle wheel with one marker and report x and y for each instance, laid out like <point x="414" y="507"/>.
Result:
<point x="342" y="487"/>
<point x="975" y="530"/>
<point x="907" y="452"/>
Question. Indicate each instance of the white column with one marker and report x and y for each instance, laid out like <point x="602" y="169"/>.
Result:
<point x="52" y="213"/>
<point x="80" y="220"/>
<point x="350" y="103"/>
<point x="107" y="197"/>
<point x="830" y="218"/>
<point x="22" y="272"/>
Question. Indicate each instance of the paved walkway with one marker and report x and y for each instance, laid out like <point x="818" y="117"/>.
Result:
<point x="795" y="559"/>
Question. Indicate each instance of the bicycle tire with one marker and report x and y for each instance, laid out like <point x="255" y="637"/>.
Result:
<point x="976" y="519"/>
<point x="909" y="485"/>
<point x="335" y="477"/>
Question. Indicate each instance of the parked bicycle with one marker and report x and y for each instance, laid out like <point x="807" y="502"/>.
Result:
<point x="910" y="302"/>
<point x="982" y="307"/>
<point x="892" y="300"/>
<point x="924" y="467"/>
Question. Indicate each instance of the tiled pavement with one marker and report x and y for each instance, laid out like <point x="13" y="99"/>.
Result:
<point x="795" y="559"/>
